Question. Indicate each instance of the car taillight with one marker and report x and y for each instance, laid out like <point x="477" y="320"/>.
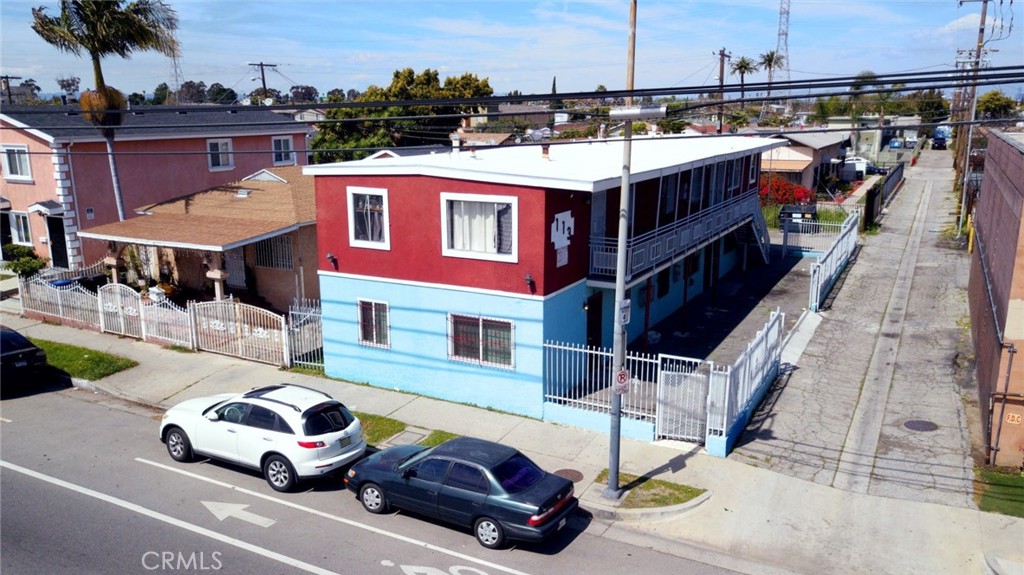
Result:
<point x="542" y="517"/>
<point x="312" y="444"/>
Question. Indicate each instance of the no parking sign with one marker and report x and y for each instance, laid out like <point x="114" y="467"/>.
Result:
<point x="622" y="382"/>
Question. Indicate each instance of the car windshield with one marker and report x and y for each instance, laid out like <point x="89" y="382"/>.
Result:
<point x="327" y="419"/>
<point x="517" y="473"/>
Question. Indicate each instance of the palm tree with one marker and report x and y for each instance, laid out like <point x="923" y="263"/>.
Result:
<point x="743" y="66"/>
<point x="104" y="28"/>
<point x="769" y="61"/>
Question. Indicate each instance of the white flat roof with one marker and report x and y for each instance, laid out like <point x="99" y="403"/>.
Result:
<point x="592" y="165"/>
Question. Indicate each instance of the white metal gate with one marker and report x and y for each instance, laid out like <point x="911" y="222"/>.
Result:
<point x="682" y="398"/>
<point x="120" y="310"/>
<point x="241" y="330"/>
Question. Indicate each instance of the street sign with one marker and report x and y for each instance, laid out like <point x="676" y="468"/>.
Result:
<point x="622" y="382"/>
<point x="624" y="307"/>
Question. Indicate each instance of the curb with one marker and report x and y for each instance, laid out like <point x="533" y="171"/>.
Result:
<point x="613" y="512"/>
<point x="998" y="565"/>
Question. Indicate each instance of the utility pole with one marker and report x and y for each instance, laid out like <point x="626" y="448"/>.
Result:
<point x="263" y="77"/>
<point x="7" y="84"/>
<point x="963" y="145"/>
<point x="722" y="57"/>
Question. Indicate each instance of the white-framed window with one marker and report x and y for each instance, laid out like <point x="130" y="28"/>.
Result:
<point x="480" y="227"/>
<point x="755" y="166"/>
<point x="374" y="329"/>
<point x="274" y="253"/>
<point x="20" y="232"/>
<point x="220" y="156"/>
<point x="368" y="225"/>
<point x="283" y="153"/>
<point x="481" y="340"/>
<point x="17" y="167"/>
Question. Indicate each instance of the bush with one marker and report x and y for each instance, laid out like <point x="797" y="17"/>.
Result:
<point x="777" y="190"/>
<point x="23" y="260"/>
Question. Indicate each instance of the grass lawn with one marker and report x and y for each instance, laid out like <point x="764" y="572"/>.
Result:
<point x="437" y="437"/>
<point x="81" y="362"/>
<point x="999" y="492"/>
<point x="646" y="492"/>
<point x="377" y="428"/>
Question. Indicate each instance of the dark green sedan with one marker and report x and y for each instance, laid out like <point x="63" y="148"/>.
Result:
<point x="491" y="488"/>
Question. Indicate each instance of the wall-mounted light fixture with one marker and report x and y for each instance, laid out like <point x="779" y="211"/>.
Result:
<point x="529" y="281"/>
<point x="586" y="305"/>
<point x="331" y="257"/>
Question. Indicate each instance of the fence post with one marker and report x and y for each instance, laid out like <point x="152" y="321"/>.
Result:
<point x="285" y="340"/>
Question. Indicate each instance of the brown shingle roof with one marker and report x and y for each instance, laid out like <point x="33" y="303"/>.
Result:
<point x="222" y="217"/>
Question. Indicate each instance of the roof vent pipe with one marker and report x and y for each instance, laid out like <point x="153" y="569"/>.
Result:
<point x="545" y="151"/>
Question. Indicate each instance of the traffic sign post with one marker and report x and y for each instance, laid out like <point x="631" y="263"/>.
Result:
<point x="622" y="382"/>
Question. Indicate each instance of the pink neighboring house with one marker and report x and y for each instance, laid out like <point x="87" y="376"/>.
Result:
<point x="56" y="175"/>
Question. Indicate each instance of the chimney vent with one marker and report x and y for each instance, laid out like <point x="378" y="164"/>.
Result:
<point x="545" y="151"/>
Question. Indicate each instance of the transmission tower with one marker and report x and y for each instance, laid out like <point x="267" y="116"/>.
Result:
<point x="177" y="79"/>
<point x="782" y="48"/>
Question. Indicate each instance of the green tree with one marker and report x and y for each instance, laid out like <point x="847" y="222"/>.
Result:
<point x="770" y="61"/>
<point x="743" y="66"/>
<point x="161" y="93"/>
<point x="192" y="92"/>
<point x="364" y="129"/>
<point x="304" y="94"/>
<point x="104" y="28"/>
<point x="995" y="104"/>
<point x="218" y="94"/>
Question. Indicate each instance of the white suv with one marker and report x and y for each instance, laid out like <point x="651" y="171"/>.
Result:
<point x="287" y="431"/>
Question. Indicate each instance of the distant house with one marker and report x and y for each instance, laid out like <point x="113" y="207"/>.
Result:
<point x="812" y="158"/>
<point x="56" y="175"/>
<point x="257" y="236"/>
<point x="995" y="293"/>
<point x="445" y="274"/>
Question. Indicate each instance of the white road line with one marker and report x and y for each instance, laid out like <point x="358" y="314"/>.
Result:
<point x="170" y="520"/>
<point x="349" y="522"/>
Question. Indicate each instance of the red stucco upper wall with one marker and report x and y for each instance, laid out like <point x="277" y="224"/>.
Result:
<point x="415" y="212"/>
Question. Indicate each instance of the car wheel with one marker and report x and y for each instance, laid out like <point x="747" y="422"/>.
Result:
<point x="279" y="473"/>
<point x="489" y="533"/>
<point x="178" y="445"/>
<point x="372" y="498"/>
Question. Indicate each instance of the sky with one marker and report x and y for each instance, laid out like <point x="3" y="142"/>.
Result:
<point x="526" y="46"/>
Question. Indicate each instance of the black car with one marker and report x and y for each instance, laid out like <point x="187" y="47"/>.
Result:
<point x="492" y="488"/>
<point x="938" y="143"/>
<point x="20" y="359"/>
<point x="879" y="170"/>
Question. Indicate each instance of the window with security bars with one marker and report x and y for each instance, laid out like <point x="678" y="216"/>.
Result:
<point x="275" y="253"/>
<point x="480" y="340"/>
<point x="373" y="323"/>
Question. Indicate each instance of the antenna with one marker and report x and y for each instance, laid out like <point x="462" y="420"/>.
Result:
<point x="177" y="79"/>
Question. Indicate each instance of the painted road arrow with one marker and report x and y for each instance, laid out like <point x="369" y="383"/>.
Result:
<point x="224" y="510"/>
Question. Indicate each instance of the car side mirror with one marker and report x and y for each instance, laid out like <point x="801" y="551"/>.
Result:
<point x="408" y="473"/>
<point x="212" y="416"/>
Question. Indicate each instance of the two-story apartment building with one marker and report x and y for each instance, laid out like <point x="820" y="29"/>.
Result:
<point x="445" y="274"/>
<point x="56" y="173"/>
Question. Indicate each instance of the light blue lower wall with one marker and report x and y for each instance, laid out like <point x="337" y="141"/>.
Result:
<point x="631" y="428"/>
<point x="417" y="360"/>
<point x="565" y="319"/>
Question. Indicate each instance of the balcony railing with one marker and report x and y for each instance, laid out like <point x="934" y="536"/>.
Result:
<point x="647" y="251"/>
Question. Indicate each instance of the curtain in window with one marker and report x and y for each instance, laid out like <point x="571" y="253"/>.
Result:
<point x="481" y="227"/>
<point x="497" y="337"/>
<point x="373" y="322"/>
<point x="466" y="337"/>
<point x="368" y="217"/>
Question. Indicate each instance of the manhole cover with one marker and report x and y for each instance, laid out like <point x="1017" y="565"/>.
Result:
<point x="570" y="474"/>
<point x="920" y="425"/>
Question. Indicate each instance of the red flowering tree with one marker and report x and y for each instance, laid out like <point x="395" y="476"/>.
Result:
<point x="778" y="191"/>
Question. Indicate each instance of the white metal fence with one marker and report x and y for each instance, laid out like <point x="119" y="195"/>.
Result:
<point x="686" y="398"/>
<point x="808" y="236"/>
<point x="831" y="263"/>
<point x="227" y="327"/>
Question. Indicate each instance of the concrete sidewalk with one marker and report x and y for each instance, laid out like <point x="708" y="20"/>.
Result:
<point x="755" y="520"/>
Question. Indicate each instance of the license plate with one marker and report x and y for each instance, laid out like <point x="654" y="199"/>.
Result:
<point x="561" y="524"/>
<point x="345" y="441"/>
